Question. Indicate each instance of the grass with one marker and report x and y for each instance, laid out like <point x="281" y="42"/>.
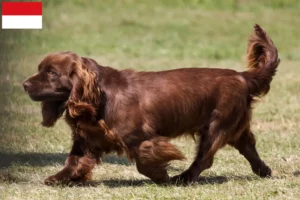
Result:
<point x="151" y="35"/>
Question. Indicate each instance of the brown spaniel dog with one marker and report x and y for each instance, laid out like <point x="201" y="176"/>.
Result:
<point x="136" y="113"/>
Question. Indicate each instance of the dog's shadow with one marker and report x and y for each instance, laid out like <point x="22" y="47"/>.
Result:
<point x="201" y="181"/>
<point x="31" y="159"/>
<point x="46" y="159"/>
<point x="115" y="183"/>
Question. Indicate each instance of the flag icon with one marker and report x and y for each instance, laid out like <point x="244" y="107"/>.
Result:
<point x="21" y="15"/>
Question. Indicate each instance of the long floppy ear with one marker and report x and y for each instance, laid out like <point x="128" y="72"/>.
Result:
<point x="51" y="111"/>
<point x="85" y="94"/>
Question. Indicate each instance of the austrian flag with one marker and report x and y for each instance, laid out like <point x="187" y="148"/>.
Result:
<point x="21" y="15"/>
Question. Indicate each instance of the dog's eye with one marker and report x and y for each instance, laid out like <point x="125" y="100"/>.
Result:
<point x="51" y="73"/>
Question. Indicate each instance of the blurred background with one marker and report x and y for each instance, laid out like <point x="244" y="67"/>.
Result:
<point x="152" y="35"/>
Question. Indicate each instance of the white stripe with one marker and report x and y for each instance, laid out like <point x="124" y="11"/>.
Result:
<point x="21" y="21"/>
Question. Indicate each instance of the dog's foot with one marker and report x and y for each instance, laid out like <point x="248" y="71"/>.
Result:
<point x="62" y="177"/>
<point x="68" y="176"/>
<point x="185" y="178"/>
<point x="54" y="180"/>
<point x="263" y="171"/>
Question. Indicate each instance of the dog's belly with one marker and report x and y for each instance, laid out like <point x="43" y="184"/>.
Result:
<point x="182" y="129"/>
<point x="171" y="122"/>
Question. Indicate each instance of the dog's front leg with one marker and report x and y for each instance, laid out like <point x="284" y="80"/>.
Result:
<point x="78" y="165"/>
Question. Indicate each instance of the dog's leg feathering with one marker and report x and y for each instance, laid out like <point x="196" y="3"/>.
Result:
<point x="153" y="157"/>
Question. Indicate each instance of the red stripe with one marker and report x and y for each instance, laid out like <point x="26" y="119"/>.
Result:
<point x="21" y="8"/>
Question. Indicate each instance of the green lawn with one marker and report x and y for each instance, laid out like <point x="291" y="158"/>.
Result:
<point x="152" y="35"/>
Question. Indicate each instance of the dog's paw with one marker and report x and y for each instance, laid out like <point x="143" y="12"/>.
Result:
<point x="185" y="178"/>
<point x="54" y="180"/>
<point x="264" y="171"/>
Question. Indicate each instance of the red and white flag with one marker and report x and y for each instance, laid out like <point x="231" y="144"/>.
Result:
<point x="22" y="15"/>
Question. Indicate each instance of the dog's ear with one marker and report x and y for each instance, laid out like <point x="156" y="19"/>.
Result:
<point x="85" y="94"/>
<point x="51" y="111"/>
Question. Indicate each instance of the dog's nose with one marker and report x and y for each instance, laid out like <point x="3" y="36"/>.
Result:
<point x="26" y="85"/>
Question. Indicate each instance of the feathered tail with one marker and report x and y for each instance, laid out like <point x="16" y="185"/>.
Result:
<point x="262" y="58"/>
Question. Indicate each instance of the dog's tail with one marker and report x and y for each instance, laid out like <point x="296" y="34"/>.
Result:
<point x="262" y="58"/>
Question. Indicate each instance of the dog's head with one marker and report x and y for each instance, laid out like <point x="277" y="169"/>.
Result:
<point x="64" y="80"/>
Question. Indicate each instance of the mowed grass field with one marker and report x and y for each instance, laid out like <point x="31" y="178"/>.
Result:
<point x="152" y="35"/>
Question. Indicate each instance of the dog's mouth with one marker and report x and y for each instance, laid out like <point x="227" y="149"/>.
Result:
<point x="55" y="96"/>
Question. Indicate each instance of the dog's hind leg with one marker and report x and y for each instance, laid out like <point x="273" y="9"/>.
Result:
<point x="211" y="140"/>
<point x="246" y="146"/>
